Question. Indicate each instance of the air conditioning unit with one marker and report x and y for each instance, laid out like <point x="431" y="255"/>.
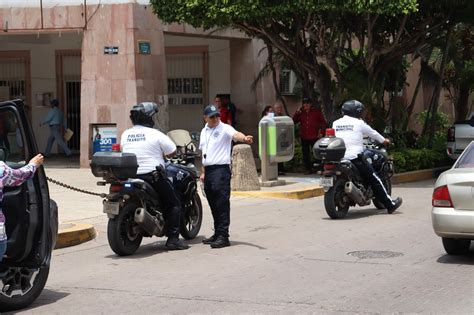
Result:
<point x="287" y="82"/>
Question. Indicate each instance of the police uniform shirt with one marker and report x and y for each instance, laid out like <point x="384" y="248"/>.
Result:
<point x="216" y="143"/>
<point x="149" y="145"/>
<point x="353" y="131"/>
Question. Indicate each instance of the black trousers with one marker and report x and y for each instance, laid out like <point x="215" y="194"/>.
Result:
<point x="217" y="189"/>
<point x="170" y="201"/>
<point x="370" y="177"/>
<point x="307" y="149"/>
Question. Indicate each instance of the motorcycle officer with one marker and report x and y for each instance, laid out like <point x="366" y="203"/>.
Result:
<point x="352" y="129"/>
<point x="150" y="146"/>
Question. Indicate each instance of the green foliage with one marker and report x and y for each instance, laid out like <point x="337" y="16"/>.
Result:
<point x="419" y="159"/>
<point x="442" y="124"/>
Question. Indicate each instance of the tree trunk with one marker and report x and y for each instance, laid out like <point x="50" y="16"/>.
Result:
<point x="274" y="78"/>
<point x="437" y="91"/>
<point x="462" y="107"/>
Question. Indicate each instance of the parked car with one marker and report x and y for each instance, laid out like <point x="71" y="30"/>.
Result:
<point x="459" y="136"/>
<point x="453" y="204"/>
<point x="31" y="216"/>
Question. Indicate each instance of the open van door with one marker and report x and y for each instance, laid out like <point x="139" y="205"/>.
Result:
<point x="31" y="217"/>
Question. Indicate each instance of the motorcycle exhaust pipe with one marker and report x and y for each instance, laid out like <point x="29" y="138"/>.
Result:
<point x="355" y="194"/>
<point x="149" y="223"/>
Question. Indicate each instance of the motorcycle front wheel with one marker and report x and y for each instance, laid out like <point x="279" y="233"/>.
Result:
<point x="192" y="219"/>
<point x="123" y="233"/>
<point x="334" y="201"/>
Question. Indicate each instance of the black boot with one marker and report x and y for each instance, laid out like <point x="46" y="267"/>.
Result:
<point x="174" y="243"/>
<point x="209" y="240"/>
<point x="398" y="203"/>
<point x="220" y="242"/>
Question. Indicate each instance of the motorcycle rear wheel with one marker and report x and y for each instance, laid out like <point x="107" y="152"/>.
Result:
<point x="122" y="232"/>
<point x="334" y="202"/>
<point x="192" y="219"/>
<point x="388" y="186"/>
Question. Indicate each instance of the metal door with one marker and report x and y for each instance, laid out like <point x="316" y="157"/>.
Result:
<point x="14" y="76"/>
<point x="186" y="90"/>
<point x="69" y="74"/>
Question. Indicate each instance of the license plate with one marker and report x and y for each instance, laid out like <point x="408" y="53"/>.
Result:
<point x="111" y="207"/>
<point x="327" y="181"/>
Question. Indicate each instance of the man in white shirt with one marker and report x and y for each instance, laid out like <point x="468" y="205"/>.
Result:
<point x="151" y="146"/>
<point x="216" y="144"/>
<point x="352" y="129"/>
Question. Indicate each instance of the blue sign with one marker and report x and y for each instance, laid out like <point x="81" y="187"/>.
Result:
<point x="104" y="137"/>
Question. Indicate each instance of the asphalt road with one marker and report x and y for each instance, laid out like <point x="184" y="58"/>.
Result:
<point x="287" y="257"/>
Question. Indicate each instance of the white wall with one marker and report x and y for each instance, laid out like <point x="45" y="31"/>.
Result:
<point x="219" y="60"/>
<point x="43" y="69"/>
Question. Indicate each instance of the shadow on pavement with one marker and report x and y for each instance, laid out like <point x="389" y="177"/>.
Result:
<point x="458" y="260"/>
<point x="361" y="213"/>
<point x="46" y="297"/>
<point x="237" y="243"/>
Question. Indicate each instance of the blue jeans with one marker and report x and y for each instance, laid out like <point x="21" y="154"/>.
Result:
<point x="3" y="249"/>
<point x="55" y="134"/>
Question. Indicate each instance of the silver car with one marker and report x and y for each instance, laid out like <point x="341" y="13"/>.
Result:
<point x="453" y="204"/>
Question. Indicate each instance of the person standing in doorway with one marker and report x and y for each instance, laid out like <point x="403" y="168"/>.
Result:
<point x="312" y="127"/>
<point x="224" y="112"/>
<point x="215" y="144"/>
<point x="55" y="120"/>
<point x="225" y="98"/>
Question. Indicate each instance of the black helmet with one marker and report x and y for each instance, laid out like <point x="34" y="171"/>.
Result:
<point x="142" y="114"/>
<point x="353" y="108"/>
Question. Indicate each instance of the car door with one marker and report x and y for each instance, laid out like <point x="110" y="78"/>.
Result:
<point x="31" y="223"/>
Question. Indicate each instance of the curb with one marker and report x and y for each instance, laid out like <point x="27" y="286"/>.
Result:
<point x="418" y="175"/>
<point x="71" y="234"/>
<point x="311" y="192"/>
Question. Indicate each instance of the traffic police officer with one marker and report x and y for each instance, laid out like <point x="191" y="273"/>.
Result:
<point x="352" y="129"/>
<point x="215" y="144"/>
<point x="150" y="146"/>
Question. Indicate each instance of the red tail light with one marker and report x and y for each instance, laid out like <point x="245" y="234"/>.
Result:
<point x="451" y="134"/>
<point x="441" y="197"/>
<point x="328" y="166"/>
<point x="115" y="188"/>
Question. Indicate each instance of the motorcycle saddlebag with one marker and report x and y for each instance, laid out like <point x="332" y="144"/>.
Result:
<point x="109" y="165"/>
<point x="329" y="149"/>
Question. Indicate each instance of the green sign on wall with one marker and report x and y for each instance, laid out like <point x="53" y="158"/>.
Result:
<point x="144" y="47"/>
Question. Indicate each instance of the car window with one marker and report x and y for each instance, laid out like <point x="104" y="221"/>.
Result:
<point x="11" y="138"/>
<point x="466" y="160"/>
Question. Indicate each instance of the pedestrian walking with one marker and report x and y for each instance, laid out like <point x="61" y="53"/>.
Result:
<point x="215" y="144"/>
<point x="55" y="119"/>
<point x="312" y="127"/>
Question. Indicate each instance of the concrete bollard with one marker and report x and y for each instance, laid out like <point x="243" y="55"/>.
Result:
<point x="244" y="172"/>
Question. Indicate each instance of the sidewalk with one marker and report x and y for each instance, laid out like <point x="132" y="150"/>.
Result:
<point x="77" y="210"/>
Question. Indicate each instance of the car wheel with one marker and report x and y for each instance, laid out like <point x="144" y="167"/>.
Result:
<point x="454" y="246"/>
<point x="20" y="286"/>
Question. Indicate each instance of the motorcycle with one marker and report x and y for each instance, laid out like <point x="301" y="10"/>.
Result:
<point x="342" y="182"/>
<point x="133" y="206"/>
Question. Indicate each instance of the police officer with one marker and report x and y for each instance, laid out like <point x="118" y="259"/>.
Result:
<point x="215" y="144"/>
<point x="353" y="129"/>
<point x="150" y="146"/>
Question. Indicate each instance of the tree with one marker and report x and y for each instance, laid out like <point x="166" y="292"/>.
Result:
<point x="330" y="44"/>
